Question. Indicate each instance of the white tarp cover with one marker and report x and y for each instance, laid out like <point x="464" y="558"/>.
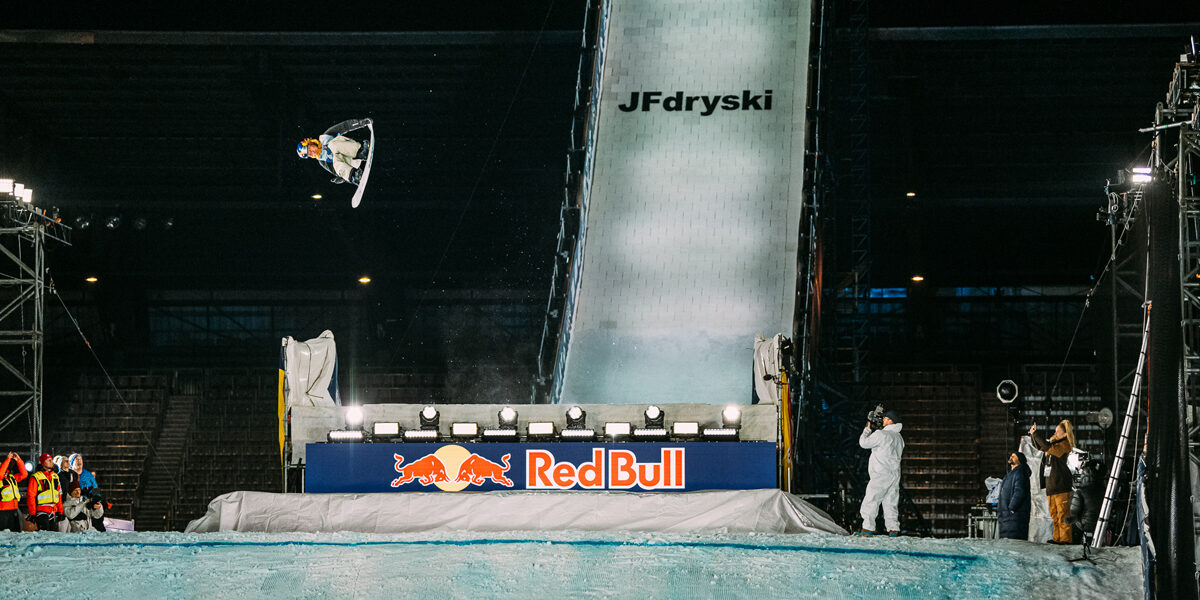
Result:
<point x="1041" y="526"/>
<point x="310" y="367"/>
<point x="767" y="362"/>
<point x="763" y="511"/>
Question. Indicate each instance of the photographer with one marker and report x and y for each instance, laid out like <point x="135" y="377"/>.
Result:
<point x="10" y="493"/>
<point x="1056" y="476"/>
<point x="80" y="511"/>
<point x="886" y="446"/>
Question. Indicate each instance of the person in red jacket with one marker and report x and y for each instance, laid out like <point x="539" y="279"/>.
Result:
<point x="10" y="493"/>
<point x="45" y="496"/>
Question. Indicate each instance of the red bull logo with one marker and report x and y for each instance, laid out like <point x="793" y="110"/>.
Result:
<point x="620" y="471"/>
<point x="452" y="468"/>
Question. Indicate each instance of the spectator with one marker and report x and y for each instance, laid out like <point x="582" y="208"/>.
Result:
<point x="10" y="493"/>
<point x="886" y="447"/>
<point x="88" y="485"/>
<point x="1012" y="511"/>
<point x="44" y="496"/>
<point x="80" y="511"/>
<point x="1056" y="477"/>
<point x="65" y="475"/>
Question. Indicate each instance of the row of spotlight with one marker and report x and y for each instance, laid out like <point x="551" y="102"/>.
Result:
<point x="576" y="429"/>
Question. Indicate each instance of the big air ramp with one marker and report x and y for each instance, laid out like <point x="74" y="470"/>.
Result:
<point x="690" y="228"/>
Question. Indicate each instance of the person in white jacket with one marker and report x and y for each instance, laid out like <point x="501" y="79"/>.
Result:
<point x="886" y="446"/>
<point x="80" y="511"/>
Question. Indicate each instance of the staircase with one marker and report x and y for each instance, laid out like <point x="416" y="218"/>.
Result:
<point x="162" y="470"/>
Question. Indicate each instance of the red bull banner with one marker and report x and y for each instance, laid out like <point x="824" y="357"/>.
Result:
<point x="450" y="467"/>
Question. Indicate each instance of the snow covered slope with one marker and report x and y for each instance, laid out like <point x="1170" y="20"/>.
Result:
<point x="540" y="565"/>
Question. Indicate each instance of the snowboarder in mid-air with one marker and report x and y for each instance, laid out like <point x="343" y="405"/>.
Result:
<point x="342" y="156"/>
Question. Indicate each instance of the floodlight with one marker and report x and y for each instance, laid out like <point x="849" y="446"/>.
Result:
<point x="918" y="278"/>
<point x="1142" y="175"/>
<point x="17" y="189"/>
<point x="685" y="429"/>
<point x="420" y="435"/>
<point x="354" y="417"/>
<point x="379" y="429"/>
<point x="29" y="466"/>
<point x="113" y="222"/>
<point x="720" y="433"/>
<point x="168" y="223"/>
<point x="508" y="418"/>
<point x="540" y="430"/>
<point x="82" y="223"/>
<point x="615" y="430"/>
<point x="464" y="430"/>
<point x="346" y="435"/>
<point x="6" y="186"/>
<point x="731" y="417"/>
<point x="576" y="418"/>
<point x="91" y="279"/>
<point x="1007" y="391"/>
<point x="654" y="417"/>
<point x="27" y="195"/>
<point x="364" y="280"/>
<point x="1102" y="417"/>
<point x="429" y="418"/>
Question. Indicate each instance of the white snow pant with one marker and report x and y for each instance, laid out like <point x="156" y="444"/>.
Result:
<point x="886" y="493"/>
<point x="344" y="150"/>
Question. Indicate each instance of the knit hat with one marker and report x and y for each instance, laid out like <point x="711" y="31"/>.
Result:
<point x="74" y="485"/>
<point x="44" y="457"/>
<point x="893" y="415"/>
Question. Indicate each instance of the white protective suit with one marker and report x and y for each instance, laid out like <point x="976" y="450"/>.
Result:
<point x="339" y="152"/>
<point x="1041" y="526"/>
<point x="886" y="447"/>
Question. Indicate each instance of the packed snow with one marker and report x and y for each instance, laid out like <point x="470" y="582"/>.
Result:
<point x="538" y="564"/>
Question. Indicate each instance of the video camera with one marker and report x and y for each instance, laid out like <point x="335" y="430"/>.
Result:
<point x="875" y="417"/>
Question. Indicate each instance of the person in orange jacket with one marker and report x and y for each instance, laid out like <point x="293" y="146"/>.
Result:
<point x="10" y="493"/>
<point x="45" y="496"/>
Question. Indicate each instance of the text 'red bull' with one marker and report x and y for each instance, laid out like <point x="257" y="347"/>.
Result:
<point x="622" y="471"/>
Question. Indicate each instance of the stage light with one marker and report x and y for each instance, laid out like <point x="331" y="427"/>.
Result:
<point x="420" y="435"/>
<point x="918" y="278"/>
<point x="364" y="280"/>
<point x="911" y="194"/>
<point x="92" y="279"/>
<point x="354" y="417"/>
<point x="499" y="435"/>
<point x="113" y="222"/>
<point x="6" y="186"/>
<point x="464" y="430"/>
<point x="720" y="433"/>
<point x="685" y="429"/>
<point x="1142" y="175"/>
<point x="540" y="430"/>
<point x="577" y="435"/>
<point x="385" y="429"/>
<point x="1007" y="391"/>
<point x="576" y="418"/>
<point x="82" y="223"/>
<point x="17" y="189"/>
<point x="29" y="467"/>
<point x="346" y="435"/>
<point x="316" y="196"/>
<point x="654" y="417"/>
<point x="617" y="430"/>
<point x="507" y="417"/>
<point x="27" y="195"/>
<point x="650" y="433"/>
<point x="731" y="417"/>
<point x="1103" y="418"/>
<point x="429" y="418"/>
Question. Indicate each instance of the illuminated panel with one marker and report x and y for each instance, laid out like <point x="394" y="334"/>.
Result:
<point x="693" y="216"/>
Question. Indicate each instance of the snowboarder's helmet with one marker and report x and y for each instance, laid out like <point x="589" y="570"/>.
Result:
<point x="302" y="149"/>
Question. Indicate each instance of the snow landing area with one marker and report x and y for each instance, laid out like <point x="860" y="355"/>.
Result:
<point x="527" y="565"/>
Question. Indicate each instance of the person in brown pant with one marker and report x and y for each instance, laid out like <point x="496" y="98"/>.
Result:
<point x="1056" y="477"/>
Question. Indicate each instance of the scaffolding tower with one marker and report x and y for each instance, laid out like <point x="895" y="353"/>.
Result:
<point x="25" y="232"/>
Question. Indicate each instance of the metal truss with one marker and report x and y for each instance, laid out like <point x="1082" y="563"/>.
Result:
<point x="24" y="233"/>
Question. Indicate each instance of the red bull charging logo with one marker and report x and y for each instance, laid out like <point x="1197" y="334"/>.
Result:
<point x="452" y="468"/>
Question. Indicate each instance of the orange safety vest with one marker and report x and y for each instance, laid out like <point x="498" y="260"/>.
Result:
<point x="47" y="488"/>
<point x="10" y="492"/>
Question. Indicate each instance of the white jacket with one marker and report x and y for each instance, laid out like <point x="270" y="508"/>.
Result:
<point x="886" y="446"/>
<point x="75" y="508"/>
